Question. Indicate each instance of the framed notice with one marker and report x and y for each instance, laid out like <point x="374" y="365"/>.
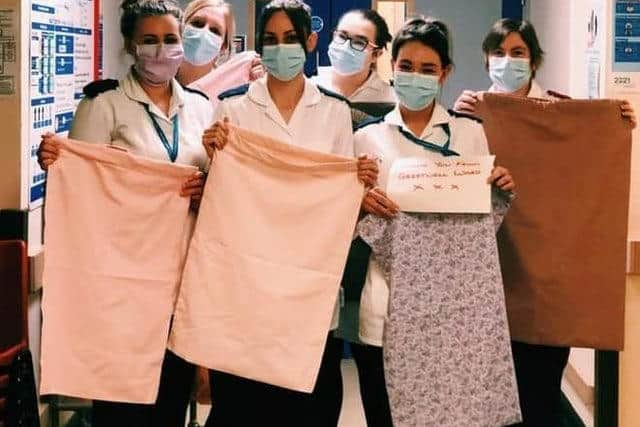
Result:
<point x="240" y="43"/>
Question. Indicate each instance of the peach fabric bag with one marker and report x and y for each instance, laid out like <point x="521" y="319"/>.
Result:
<point x="264" y="266"/>
<point x="116" y="238"/>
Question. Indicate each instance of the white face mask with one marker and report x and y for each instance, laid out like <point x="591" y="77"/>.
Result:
<point x="509" y="74"/>
<point x="201" y="46"/>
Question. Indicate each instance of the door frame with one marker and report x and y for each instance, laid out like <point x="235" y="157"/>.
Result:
<point x="410" y="6"/>
<point x="251" y="25"/>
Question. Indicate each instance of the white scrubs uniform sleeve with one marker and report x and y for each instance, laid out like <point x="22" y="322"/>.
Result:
<point x="93" y="121"/>
<point x="220" y="112"/>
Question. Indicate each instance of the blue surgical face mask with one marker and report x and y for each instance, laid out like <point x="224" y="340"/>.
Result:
<point x="509" y="74"/>
<point x="345" y="60"/>
<point x="415" y="91"/>
<point x="284" y="61"/>
<point x="201" y="46"/>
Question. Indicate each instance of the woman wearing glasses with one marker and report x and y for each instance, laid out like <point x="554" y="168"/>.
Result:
<point x="357" y="44"/>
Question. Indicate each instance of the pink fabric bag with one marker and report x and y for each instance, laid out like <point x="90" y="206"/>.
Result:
<point x="235" y="72"/>
<point x="264" y="266"/>
<point x="116" y="238"/>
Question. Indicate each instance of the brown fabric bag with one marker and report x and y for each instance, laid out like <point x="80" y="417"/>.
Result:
<point x="563" y="244"/>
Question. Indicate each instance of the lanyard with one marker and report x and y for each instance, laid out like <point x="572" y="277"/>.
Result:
<point x="445" y="151"/>
<point x="172" y="150"/>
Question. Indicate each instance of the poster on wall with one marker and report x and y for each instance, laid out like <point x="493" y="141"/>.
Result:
<point x="626" y="47"/>
<point x="8" y="54"/>
<point x="626" y="36"/>
<point x="239" y="43"/>
<point x="62" y="62"/>
<point x="624" y="83"/>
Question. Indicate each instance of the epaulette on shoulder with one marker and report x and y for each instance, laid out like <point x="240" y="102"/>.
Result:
<point x="94" y="89"/>
<point x="371" y="121"/>
<point x="331" y="94"/>
<point x="236" y="91"/>
<point x="465" y="115"/>
<point x="557" y="95"/>
<point x="196" y="91"/>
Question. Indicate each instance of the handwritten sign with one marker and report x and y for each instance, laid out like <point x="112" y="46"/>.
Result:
<point x="448" y="185"/>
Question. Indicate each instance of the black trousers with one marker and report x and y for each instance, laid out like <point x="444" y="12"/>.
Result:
<point x="240" y="402"/>
<point x="170" y="409"/>
<point x="539" y="372"/>
<point x="373" y="389"/>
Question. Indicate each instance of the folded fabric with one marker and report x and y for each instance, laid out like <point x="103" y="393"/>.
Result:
<point x="235" y="72"/>
<point x="266" y="259"/>
<point x="447" y="351"/>
<point x="563" y="245"/>
<point x="116" y="238"/>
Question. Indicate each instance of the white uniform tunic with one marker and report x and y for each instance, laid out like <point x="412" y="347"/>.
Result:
<point x="319" y="122"/>
<point x="384" y="142"/>
<point x="119" y="117"/>
<point x="535" y="91"/>
<point x="374" y="89"/>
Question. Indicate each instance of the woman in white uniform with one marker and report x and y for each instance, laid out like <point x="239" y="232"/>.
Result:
<point x="512" y="57"/>
<point x="152" y="116"/>
<point x="286" y="106"/>
<point x="208" y="33"/>
<point x="358" y="42"/>
<point x="418" y="127"/>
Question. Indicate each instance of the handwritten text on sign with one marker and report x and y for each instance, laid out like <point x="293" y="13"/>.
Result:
<point x="449" y="185"/>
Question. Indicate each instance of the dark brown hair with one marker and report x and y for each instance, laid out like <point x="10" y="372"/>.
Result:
<point x="506" y="26"/>
<point x="298" y="12"/>
<point x="133" y="10"/>
<point x="382" y="29"/>
<point x="430" y="32"/>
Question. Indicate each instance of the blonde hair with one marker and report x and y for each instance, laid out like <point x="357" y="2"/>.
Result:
<point x="196" y="5"/>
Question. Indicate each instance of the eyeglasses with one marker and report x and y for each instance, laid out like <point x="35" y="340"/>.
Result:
<point x="356" y="42"/>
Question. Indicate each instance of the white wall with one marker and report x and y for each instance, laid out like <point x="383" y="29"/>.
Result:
<point x="552" y="20"/>
<point x="562" y="29"/>
<point x="116" y="61"/>
<point x="468" y="22"/>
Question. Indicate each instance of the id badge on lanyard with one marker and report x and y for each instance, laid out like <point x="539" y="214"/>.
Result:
<point x="172" y="149"/>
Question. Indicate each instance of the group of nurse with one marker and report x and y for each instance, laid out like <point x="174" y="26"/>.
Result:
<point x="153" y="113"/>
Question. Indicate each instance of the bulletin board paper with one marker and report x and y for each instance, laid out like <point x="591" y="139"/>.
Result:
<point x="63" y="51"/>
<point x="8" y="52"/>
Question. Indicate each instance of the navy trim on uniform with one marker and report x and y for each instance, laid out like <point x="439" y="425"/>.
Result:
<point x="94" y="89"/>
<point x="370" y="121"/>
<point x="236" y="91"/>
<point x="196" y="91"/>
<point x="465" y="115"/>
<point x="444" y="150"/>
<point x="331" y="94"/>
<point x="557" y="95"/>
